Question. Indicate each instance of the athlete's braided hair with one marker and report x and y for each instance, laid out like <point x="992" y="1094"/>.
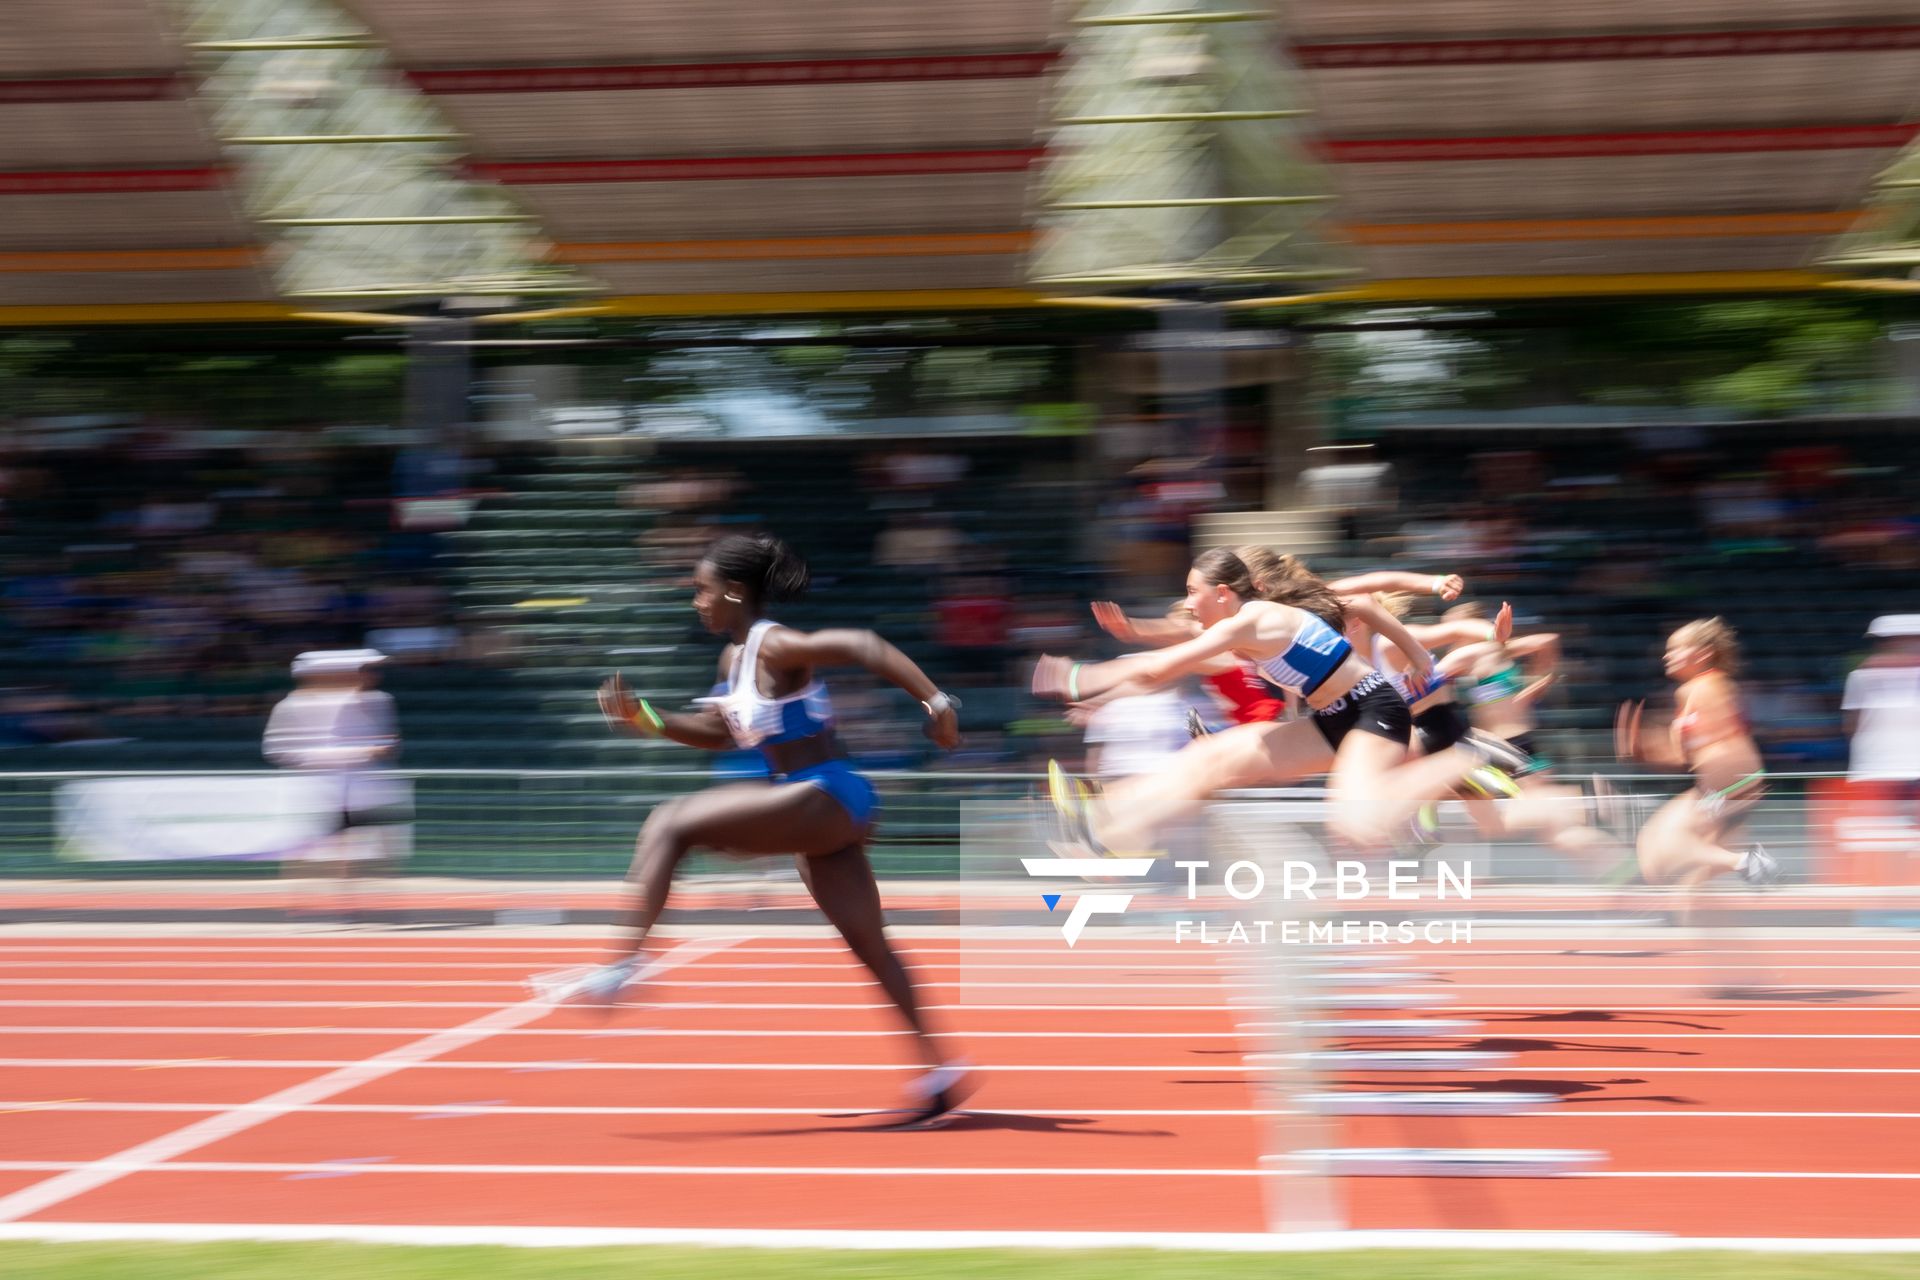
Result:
<point x="768" y="568"/>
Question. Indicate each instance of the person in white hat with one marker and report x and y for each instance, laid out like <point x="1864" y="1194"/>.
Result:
<point x="1882" y="704"/>
<point x="337" y="723"/>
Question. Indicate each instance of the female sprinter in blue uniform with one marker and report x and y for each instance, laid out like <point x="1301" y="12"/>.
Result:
<point x="815" y="807"/>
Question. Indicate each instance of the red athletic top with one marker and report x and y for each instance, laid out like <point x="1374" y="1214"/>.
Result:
<point x="1250" y="699"/>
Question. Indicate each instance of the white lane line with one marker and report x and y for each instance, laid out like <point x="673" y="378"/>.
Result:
<point x="121" y="1168"/>
<point x="588" y="948"/>
<point x="1618" y="1009"/>
<point x="999" y="1068"/>
<point x="786" y="1033"/>
<point x="690" y="1033"/>
<point x="388" y="984"/>
<point x="1585" y="1112"/>
<point x="831" y="1006"/>
<point x="850" y="966"/>
<point x="77" y="1180"/>
<point x="925" y="947"/>
<point x="778" y="1238"/>
<point x="1191" y="955"/>
<point x="502" y="981"/>
<point x="465" y="1064"/>
<point x="519" y="966"/>
<point x="1480" y="1032"/>
<point x="1506" y="1031"/>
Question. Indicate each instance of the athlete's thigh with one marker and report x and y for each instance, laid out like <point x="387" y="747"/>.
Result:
<point x="1295" y="749"/>
<point x="1663" y="846"/>
<point x="754" y="818"/>
<point x="1364" y="755"/>
<point x="1233" y="757"/>
<point x="843" y="884"/>
<point x="1542" y="805"/>
<point x="1486" y="815"/>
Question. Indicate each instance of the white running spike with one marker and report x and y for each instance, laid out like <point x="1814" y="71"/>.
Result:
<point x="556" y="984"/>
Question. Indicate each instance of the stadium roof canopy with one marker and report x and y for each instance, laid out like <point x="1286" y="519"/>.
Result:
<point x="688" y="156"/>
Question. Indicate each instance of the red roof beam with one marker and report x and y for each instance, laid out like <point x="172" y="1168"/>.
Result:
<point x="52" y="182"/>
<point x="742" y="75"/>
<point x="1329" y="56"/>
<point x="93" y="89"/>
<point x="1555" y="146"/>
<point x="711" y="168"/>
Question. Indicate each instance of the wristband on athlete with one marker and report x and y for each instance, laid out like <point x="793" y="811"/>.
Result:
<point x="647" y="720"/>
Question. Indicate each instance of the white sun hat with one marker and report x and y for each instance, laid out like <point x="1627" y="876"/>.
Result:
<point x="1891" y="625"/>
<point x="316" y="662"/>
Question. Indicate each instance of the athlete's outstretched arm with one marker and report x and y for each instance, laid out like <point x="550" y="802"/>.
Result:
<point x="1535" y="690"/>
<point x="1131" y="687"/>
<point x="1447" y="635"/>
<point x="845" y="647"/>
<point x="1154" y="633"/>
<point x="1419" y="661"/>
<point x="1137" y="686"/>
<point x="1465" y="631"/>
<point x="1540" y="651"/>
<point x="1056" y="677"/>
<point x="1447" y="586"/>
<point x="1462" y="659"/>
<point x="704" y="729"/>
<point x="1630" y="743"/>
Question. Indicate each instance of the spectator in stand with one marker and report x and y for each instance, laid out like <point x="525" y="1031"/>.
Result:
<point x="926" y="471"/>
<point x="1807" y="470"/>
<point x="40" y="715"/>
<point x="973" y="619"/>
<point x="1882" y="704"/>
<point x="917" y="540"/>
<point x="1877" y="533"/>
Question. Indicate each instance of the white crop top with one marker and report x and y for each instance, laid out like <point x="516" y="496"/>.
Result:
<point x="756" y="720"/>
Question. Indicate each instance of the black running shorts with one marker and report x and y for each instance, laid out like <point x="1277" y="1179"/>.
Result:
<point x="1371" y="706"/>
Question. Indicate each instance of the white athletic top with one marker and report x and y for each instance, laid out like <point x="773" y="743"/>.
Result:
<point x="1886" y="741"/>
<point x="346" y="732"/>
<point x="756" y="720"/>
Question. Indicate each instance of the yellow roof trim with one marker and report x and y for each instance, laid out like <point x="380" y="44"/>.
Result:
<point x="1435" y="289"/>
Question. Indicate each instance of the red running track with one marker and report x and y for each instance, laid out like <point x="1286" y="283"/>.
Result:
<point x="1116" y="1095"/>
